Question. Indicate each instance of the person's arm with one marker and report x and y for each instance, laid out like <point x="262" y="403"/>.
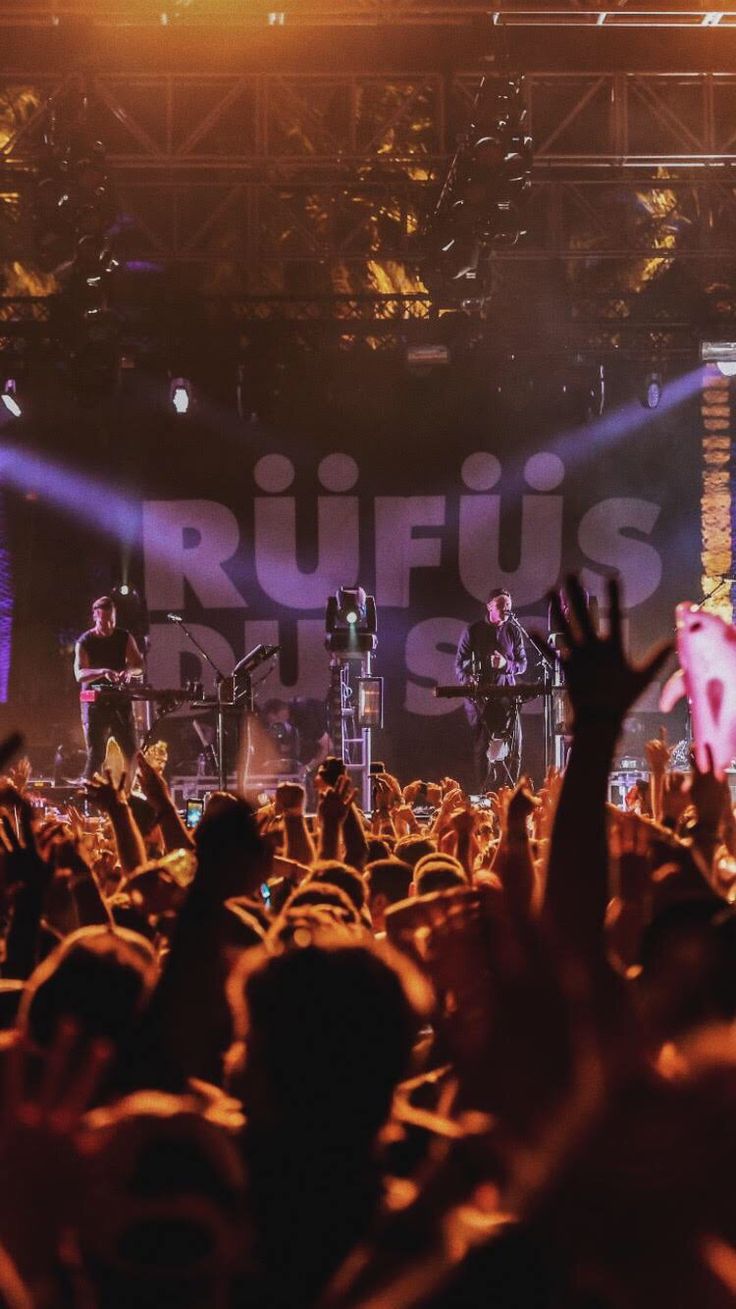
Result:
<point x="334" y="805"/>
<point x="113" y="801"/>
<point x="382" y="818"/>
<point x="154" y="788"/>
<point x="463" y="824"/>
<point x="133" y="657"/>
<point x="450" y="802"/>
<point x="658" y="757"/>
<point x="290" y="803"/>
<point x="29" y="876"/>
<point x="602" y="686"/>
<point x="712" y="800"/>
<point x="43" y="1099"/>
<point x="353" y="835"/>
<point x="464" y="657"/>
<point x="513" y="863"/>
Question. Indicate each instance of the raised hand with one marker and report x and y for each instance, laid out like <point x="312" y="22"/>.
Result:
<point x="22" y="862"/>
<point x="463" y="821"/>
<point x="383" y="796"/>
<point x="658" y="752"/>
<point x="151" y="782"/>
<point x="290" y="798"/>
<point x="676" y="796"/>
<point x="451" y="800"/>
<point x="601" y="682"/>
<point x="602" y="685"/>
<point x="102" y="791"/>
<point x="709" y="794"/>
<point x="20" y="774"/>
<point x="336" y="800"/>
<point x="39" y="1176"/>
<point x="522" y="803"/>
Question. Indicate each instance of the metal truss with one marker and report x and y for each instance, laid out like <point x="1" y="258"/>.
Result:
<point x="271" y="169"/>
<point x="234" y="14"/>
<point x="274" y="171"/>
<point x="345" y="322"/>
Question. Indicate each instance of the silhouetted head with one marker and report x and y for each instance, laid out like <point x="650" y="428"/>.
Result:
<point x="438" y="872"/>
<point x="229" y="844"/>
<point x="332" y="872"/>
<point x="99" y="977"/>
<point x="413" y="848"/>
<point x="329" y="1031"/>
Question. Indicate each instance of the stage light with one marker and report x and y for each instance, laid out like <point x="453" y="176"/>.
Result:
<point x="180" y="394"/>
<point x="124" y="589"/>
<point x="481" y="205"/>
<point x="9" y="398"/>
<point x="720" y="353"/>
<point x="351" y="604"/>
<point x="651" y="390"/>
<point x="351" y="621"/>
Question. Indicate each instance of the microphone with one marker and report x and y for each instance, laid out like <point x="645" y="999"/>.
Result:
<point x="175" y="618"/>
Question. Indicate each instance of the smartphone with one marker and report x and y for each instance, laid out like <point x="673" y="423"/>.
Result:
<point x="193" y="813"/>
<point x="265" y="892"/>
<point x="378" y="766"/>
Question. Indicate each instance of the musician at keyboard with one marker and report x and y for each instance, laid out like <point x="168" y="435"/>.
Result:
<point x="106" y="656"/>
<point x="491" y="651"/>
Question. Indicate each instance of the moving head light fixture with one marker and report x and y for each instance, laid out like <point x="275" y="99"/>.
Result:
<point x="720" y="353"/>
<point x="9" y="398"/>
<point x="180" y="395"/>
<point x="351" y="622"/>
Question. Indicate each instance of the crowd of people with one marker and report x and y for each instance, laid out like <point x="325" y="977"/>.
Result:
<point x="438" y="1055"/>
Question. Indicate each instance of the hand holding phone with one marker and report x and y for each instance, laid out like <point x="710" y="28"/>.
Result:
<point x="193" y="813"/>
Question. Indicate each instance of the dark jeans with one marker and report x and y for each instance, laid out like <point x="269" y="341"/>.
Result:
<point x="102" y="720"/>
<point x="499" y="720"/>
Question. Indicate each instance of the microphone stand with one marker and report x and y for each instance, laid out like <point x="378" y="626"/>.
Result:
<point x="221" y="687"/>
<point x="547" y="661"/>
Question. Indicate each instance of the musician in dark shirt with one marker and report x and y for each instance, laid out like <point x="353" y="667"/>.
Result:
<point x="491" y="651"/>
<point x="105" y="657"/>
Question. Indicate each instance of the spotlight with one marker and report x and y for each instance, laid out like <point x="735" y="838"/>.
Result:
<point x="124" y="589"/>
<point x="180" y="394"/>
<point x="350" y="621"/>
<point x="720" y="353"/>
<point x="651" y="390"/>
<point x="351" y="605"/>
<point x="9" y="398"/>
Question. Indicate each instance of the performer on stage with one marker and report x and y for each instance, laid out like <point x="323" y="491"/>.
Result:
<point x="491" y="651"/>
<point x="105" y="657"/>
